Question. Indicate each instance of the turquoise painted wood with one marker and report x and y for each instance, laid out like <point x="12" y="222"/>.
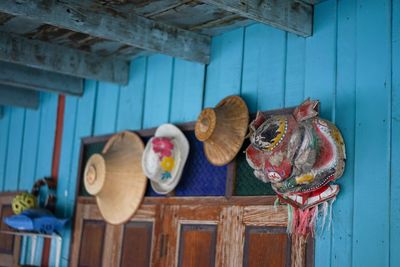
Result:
<point x="351" y="63"/>
<point x="264" y="67"/>
<point x="158" y="90"/>
<point x="320" y="73"/>
<point x="187" y="91"/>
<point x="224" y="73"/>
<point x="345" y="118"/>
<point x="373" y="91"/>
<point x="395" y="146"/>
<point x="130" y="107"/>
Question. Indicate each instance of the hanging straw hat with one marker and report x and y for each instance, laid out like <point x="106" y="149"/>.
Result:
<point x="116" y="178"/>
<point x="164" y="158"/>
<point x="223" y="129"/>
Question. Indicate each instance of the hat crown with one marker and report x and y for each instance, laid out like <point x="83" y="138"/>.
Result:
<point x="206" y="124"/>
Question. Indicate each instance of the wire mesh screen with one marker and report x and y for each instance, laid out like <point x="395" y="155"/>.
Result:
<point x="246" y="184"/>
<point x="199" y="177"/>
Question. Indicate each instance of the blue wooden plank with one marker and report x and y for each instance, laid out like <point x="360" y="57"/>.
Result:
<point x="264" y="67"/>
<point x="131" y="101"/>
<point x="372" y="148"/>
<point x="224" y="73"/>
<point x="48" y="107"/>
<point x="14" y="151"/>
<point x="345" y="117"/>
<point x="295" y="70"/>
<point x="4" y="136"/>
<point x="395" y="148"/>
<point x="320" y="83"/>
<point x="78" y="123"/>
<point x="106" y="108"/>
<point x="158" y="90"/>
<point x="29" y="149"/>
<point x="187" y="91"/>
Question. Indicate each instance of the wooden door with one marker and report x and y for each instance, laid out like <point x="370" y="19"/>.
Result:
<point x="9" y="244"/>
<point x="188" y="232"/>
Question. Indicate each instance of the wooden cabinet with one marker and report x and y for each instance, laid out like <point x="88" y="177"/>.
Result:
<point x="207" y="231"/>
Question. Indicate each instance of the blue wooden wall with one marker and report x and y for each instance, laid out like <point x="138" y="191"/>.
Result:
<point x="351" y="63"/>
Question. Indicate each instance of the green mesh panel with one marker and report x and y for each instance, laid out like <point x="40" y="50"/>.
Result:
<point x="246" y="184"/>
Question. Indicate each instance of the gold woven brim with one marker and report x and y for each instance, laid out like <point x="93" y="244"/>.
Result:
<point x="125" y="183"/>
<point x="232" y="119"/>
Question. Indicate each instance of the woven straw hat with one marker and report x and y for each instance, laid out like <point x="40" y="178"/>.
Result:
<point x="223" y="129"/>
<point x="116" y="178"/>
<point x="164" y="158"/>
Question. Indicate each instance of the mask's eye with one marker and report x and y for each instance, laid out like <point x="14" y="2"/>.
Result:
<point x="270" y="133"/>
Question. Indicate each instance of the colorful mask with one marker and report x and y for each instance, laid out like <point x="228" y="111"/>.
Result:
<point x="299" y="153"/>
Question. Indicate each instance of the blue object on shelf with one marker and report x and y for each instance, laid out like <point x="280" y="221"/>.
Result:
<point x="36" y="220"/>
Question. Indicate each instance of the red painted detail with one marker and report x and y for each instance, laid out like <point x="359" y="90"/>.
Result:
<point x="55" y="165"/>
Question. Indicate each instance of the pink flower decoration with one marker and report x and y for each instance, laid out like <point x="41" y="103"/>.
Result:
<point x="162" y="146"/>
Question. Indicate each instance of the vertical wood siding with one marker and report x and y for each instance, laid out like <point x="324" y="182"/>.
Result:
<point x="351" y="63"/>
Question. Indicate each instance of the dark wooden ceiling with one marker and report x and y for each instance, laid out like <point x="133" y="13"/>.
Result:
<point x="96" y="39"/>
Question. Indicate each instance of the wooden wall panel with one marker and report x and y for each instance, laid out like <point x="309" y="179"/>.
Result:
<point x="224" y="73"/>
<point x="373" y="91"/>
<point x="136" y="244"/>
<point x="345" y="118"/>
<point x="91" y="248"/>
<point x="197" y="245"/>
<point x="130" y="106"/>
<point x="187" y="91"/>
<point x="395" y="146"/>
<point x="264" y="67"/>
<point x="267" y="247"/>
<point x="158" y="90"/>
<point x="320" y="83"/>
<point x="78" y="122"/>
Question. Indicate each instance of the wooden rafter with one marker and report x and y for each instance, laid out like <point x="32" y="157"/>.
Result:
<point x="289" y="15"/>
<point x="46" y="56"/>
<point x="18" y="97"/>
<point x="40" y="80"/>
<point x="131" y="29"/>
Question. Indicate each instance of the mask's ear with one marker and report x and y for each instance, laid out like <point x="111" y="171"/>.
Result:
<point x="260" y="118"/>
<point x="308" y="109"/>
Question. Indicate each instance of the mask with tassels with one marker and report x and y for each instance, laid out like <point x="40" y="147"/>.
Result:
<point x="300" y="154"/>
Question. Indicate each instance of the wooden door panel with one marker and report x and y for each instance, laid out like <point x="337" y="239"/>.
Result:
<point x="266" y="247"/>
<point x="136" y="244"/>
<point x="197" y="245"/>
<point x="91" y="248"/>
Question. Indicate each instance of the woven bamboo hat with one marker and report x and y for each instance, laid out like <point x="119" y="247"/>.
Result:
<point x="223" y="129"/>
<point x="116" y="178"/>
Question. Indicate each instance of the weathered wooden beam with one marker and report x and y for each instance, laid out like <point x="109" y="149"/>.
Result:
<point x="129" y="29"/>
<point x="289" y="15"/>
<point x="40" y="80"/>
<point x="312" y="2"/>
<point x="18" y="97"/>
<point x="46" y="56"/>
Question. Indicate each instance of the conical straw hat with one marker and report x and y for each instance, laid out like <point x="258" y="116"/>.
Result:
<point x="116" y="178"/>
<point x="223" y="129"/>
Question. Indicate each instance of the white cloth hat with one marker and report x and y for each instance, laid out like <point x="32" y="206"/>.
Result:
<point x="164" y="158"/>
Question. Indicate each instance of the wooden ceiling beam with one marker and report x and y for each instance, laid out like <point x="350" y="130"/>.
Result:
<point x="40" y="80"/>
<point x="50" y="57"/>
<point x="18" y="97"/>
<point x="129" y="29"/>
<point x="288" y="15"/>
